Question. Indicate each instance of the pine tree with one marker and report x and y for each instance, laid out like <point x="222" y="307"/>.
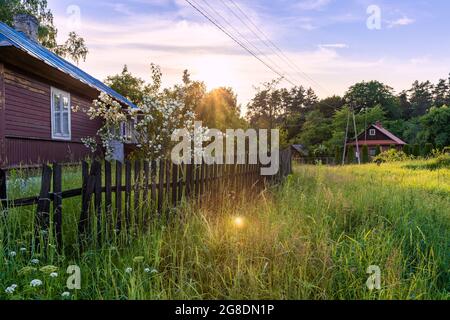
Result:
<point x="428" y="149"/>
<point x="416" y="150"/>
<point x="407" y="149"/>
<point x="338" y="155"/>
<point x="351" y="155"/>
<point x="365" y="154"/>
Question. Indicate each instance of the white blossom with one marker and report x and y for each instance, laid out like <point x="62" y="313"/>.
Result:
<point x="12" y="254"/>
<point x="11" y="289"/>
<point x="65" y="294"/>
<point x="129" y="270"/>
<point x="36" y="283"/>
<point x="54" y="275"/>
<point x="35" y="261"/>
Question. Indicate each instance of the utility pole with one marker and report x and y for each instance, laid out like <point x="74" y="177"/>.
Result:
<point x="358" y="155"/>
<point x="346" y="138"/>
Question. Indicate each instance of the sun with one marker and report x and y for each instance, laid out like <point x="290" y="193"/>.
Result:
<point x="215" y="71"/>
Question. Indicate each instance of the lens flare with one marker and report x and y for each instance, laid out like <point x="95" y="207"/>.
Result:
<point x="239" y="222"/>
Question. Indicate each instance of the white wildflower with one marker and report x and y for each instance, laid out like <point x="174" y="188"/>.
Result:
<point x="129" y="270"/>
<point x="12" y="254"/>
<point x="36" y="283"/>
<point x="35" y="261"/>
<point x="65" y="294"/>
<point x="11" y="289"/>
<point x="54" y="275"/>
<point x="23" y="249"/>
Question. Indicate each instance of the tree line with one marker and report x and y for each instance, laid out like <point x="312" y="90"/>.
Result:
<point x="419" y="115"/>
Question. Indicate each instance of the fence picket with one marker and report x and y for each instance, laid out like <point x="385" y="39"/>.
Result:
<point x="161" y="187"/>
<point x="118" y="195"/>
<point x="174" y="184"/>
<point x="128" y="193"/>
<point x="3" y="190"/>
<point x="108" y="191"/>
<point x="57" y="203"/>
<point x="98" y="198"/>
<point x="43" y="207"/>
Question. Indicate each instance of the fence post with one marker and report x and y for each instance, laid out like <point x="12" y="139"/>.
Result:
<point x="43" y="207"/>
<point x="57" y="203"/>
<point x="188" y="191"/>
<point x="128" y="194"/>
<point x="3" y="191"/>
<point x="161" y="187"/>
<point x="87" y="196"/>
<point x="98" y="199"/>
<point x="108" y="193"/>
<point x="137" y="192"/>
<point x="118" y="195"/>
<point x="146" y="202"/>
<point x="174" y="184"/>
<point x="153" y="173"/>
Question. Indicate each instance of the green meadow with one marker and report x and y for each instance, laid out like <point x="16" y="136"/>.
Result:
<point x="312" y="237"/>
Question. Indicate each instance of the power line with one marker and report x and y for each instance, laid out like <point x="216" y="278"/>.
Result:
<point x="242" y="36"/>
<point x="221" y="28"/>
<point x="268" y="41"/>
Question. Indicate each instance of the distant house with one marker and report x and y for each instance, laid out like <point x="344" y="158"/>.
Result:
<point x="374" y="136"/>
<point x="37" y="90"/>
<point x="299" y="151"/>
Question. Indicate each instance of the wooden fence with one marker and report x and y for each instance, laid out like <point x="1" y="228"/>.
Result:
<point x="140" y="186"/>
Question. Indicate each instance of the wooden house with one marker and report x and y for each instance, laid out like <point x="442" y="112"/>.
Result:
<point x="376" y="135"/>
<point x="37" y="90"/>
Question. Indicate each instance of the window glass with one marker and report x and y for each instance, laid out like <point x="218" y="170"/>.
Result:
<point x="61" y="115"/>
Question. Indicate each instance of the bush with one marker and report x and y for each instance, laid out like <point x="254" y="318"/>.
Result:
<point x="378" y="151"/>
<point x="428" y="150"/>
<point x="440" y="162"/>
<point x="416" y="150"/>
<point x="338" y="155"/>
<point x="446" y="150"/>
<point x="407" y="149"/>
<point x="365" y="154"/>
<point x="351" y="155"/>
<point x="391" y="155"/>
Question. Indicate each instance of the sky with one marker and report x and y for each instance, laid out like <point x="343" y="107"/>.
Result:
<point x="324" y="44"/>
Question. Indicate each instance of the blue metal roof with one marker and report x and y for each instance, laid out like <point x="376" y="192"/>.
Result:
<point x="22" y="42"/>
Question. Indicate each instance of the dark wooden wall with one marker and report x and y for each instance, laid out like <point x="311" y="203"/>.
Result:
<point x="378" y="135"/>
<point x="2" y="114"/>
<point x="27" y="122"/>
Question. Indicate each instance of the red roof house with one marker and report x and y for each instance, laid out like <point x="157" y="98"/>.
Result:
<point x="376" y="135"/>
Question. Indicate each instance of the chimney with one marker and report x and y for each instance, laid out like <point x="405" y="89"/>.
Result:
<point x="379" y="124"/>
<point x="27" y="24"/>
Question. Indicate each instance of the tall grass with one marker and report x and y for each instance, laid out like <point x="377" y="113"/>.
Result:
<point x="311" y="238"/>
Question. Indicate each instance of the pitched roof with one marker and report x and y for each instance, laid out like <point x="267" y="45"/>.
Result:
<point x="300" y="149"/>
<point x="11" y="37"/>
<point x="389" y="134"/>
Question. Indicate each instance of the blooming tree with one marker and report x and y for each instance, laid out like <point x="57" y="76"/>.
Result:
<point x="154" y="121"/>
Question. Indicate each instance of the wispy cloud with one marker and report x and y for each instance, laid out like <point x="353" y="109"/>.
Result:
<point x="312" y="4"/>
<point x="404" y="21"/>
<point x="334" y="45"/>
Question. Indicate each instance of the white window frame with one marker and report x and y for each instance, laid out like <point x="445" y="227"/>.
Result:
<point x="372" y="132"/>
<point x="127" y="130"/>
<point x="68" y="136"/>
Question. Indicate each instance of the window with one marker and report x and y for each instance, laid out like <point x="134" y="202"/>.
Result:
<point x="61" y="127"/>
<point x="372" y="132"/>
<point x="373" y="152"/>
<point x="128" y="131"/>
